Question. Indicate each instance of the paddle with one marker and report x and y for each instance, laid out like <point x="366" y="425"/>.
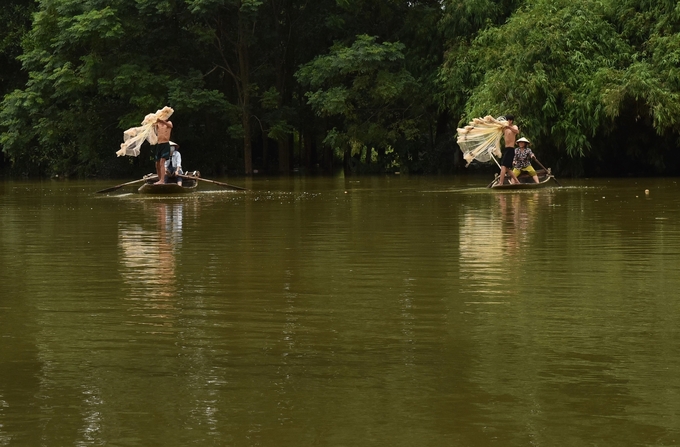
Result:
<point x="493" y="181"/>
<point x="497" y="175"/>
<point x="113" y="188"/>
<point x="226" y="185"/>
<point x="547" y="170"/>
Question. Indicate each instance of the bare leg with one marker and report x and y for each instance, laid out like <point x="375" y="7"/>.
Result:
<point x="504" y="171"/>
<point x="536" y="178"/>
<point x="160" y="171"/>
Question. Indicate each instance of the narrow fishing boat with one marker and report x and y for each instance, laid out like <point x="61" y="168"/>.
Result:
<point x="480" y="141"/>
<point x="189" y="183"/>
<point x="525" y="181"/>
<point x="151" y="187"/>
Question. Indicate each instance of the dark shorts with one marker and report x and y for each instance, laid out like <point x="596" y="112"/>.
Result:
<point x="173" y="170"/>
<point x="173" y="179"/>
<point x="162" y="150"/>
<point x="508" y="156"/>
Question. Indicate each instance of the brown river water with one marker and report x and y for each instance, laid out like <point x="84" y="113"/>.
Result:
<point x="390" y="311"/>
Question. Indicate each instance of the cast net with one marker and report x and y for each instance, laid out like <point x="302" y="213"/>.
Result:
<point x="135" y="136"/>
<point x="481" y="139"/>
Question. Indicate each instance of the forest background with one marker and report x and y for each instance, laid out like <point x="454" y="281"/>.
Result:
<point x="369" y="86"/>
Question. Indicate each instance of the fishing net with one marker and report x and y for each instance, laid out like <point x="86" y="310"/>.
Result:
<point x="481" y="139"/>
<point x="135" y="136"/>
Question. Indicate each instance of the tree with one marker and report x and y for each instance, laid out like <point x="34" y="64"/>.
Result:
<point x="15" y="21"/>
<point x="15" y="18"/>
<point x="94" y="71"/>
<point x="367" y="86"/>
<point x="569" y="73"/>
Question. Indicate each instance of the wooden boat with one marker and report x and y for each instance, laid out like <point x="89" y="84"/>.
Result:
<point x="150" y="187"/>
<point x="525" y="181"/>
<point x="189" y="183"/>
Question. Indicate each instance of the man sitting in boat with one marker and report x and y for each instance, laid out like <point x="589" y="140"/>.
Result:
<point x="173" y="165"/>
<point x="522" y="160"/>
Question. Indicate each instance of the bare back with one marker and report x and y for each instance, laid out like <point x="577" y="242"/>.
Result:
<point x="510" y="134"/>
<point x="163" y="130"/>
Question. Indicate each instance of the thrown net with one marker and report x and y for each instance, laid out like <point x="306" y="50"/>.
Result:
<point x="481" y="139"/>
<point x="135" y="136"/>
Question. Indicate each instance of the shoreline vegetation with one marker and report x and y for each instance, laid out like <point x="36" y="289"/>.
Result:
<point x="367" y="87"/>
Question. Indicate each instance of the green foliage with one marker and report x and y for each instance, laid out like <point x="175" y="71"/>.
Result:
<point x="270" y="99"/>
<point x="385" y="80"/>
<point x="14" y="24"/>
<point x="367" y="85"/>
<point x="280" y="130"/>
<point x="570" y="73"/>
<point x="548" y="65"/>
<point x="236" y="131"/>
<point x="250" y="6"/>
<point x="91" y="76"/>
<point x="465" y="18"/>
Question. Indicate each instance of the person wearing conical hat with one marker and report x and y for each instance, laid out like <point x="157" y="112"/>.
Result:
<point x="522" y="160"/>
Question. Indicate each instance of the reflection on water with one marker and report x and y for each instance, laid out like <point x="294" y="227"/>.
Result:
<point x="376" y="311"/>
<point x="148" y="255"/>
<point x="497" y="238"/>
<point x="148" y="264"/>
<point x="518" y="215"/>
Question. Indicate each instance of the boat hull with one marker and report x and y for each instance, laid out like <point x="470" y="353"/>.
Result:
<point x="526" y="181"/>
<point x="167" y="188"/>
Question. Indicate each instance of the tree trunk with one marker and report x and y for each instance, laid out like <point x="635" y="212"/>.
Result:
<point x="265" y="151"/>
<point x="244" y="68"/>
<point x="291" y="152"/>
<point x="284" y="165"/>
<point x="307" y="144"/>
<point x="346" y="161"/>
<point x="247" y="145"/>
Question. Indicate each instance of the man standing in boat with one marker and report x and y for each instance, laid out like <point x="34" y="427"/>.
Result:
<point x="161" y="150"/>
<point x="509" y="134"/>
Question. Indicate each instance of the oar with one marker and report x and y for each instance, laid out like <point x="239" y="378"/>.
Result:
<point x="546" y="170"/>
<point x="226" y="185"/>
<point x="498" y="175"/>
<point x="113" y="188"/>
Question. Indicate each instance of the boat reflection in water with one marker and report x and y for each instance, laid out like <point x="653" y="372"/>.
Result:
<point x="517" y="217"/>
<point x="148" y="264"/>
<point x="495" y="240"/>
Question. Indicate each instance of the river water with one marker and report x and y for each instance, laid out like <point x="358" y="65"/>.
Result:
<point x="391" y="311"/>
